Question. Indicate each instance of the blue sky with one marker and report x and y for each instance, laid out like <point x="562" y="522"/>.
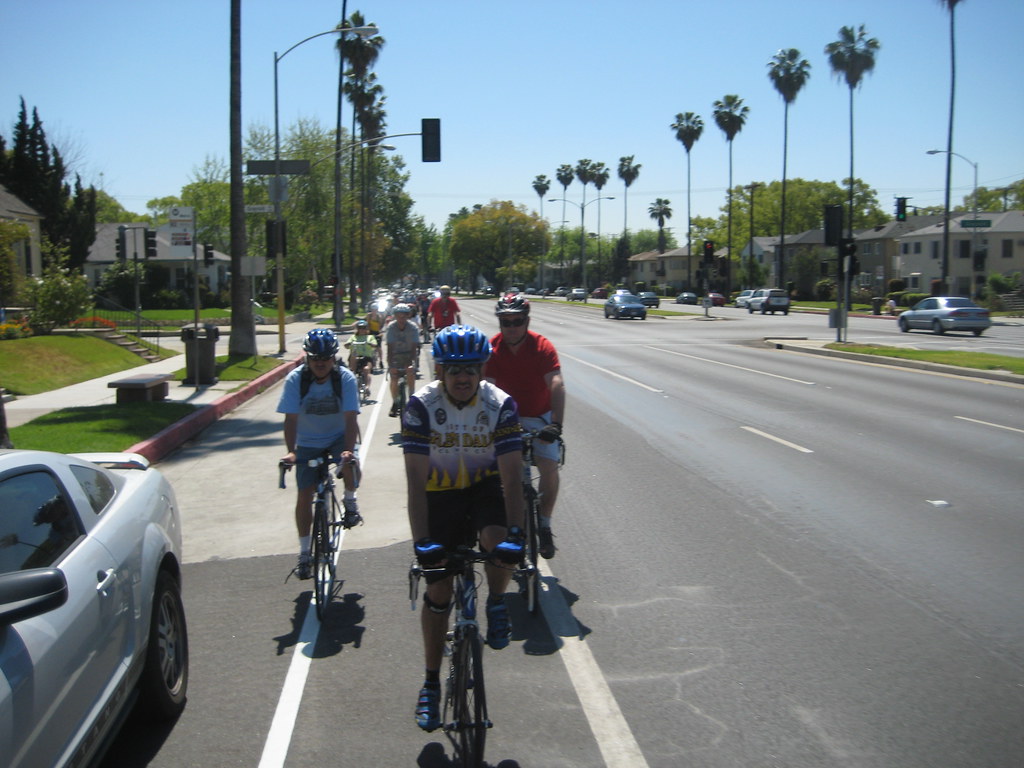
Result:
<point x="138" y="92"/>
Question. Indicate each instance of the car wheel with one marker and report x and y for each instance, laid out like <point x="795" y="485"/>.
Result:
<point x="979" y="331"/>
<point x="750" y="309"/>
<point x="785" y="312"/>
<point x="164" y="680"/>
<point x="937" y="328"/>
<point x="606" y="314"/>
<point x="902" y="323"/>
<point x="763" y="310"/>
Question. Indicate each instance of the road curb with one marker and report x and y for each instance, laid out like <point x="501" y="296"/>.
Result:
<point x="794" y="345"/>
<point x="165" y="441"/>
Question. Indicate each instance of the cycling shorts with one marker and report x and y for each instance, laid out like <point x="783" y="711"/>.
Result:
<point x="541" y="448"/>
<point x="306" y="475"/>
<point x="400" y="361"/>
<point x="456" y="517"/>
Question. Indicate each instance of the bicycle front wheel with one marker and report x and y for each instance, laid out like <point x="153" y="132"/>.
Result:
<point x="469" y="701"/>
<point x="530" y="581"/>
<point x="326" y="534"/>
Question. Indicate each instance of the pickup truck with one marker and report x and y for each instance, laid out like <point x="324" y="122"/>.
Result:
<point x="766" y="300"/>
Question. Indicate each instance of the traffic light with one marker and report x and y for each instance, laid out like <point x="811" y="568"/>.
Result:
<point x="207" y="254"/>
<point x="271" y="238"/>
<point x="120" y="243"/>
<point x="430" y="128"/>
<point x="901" y="208"/>
<point x="709" y="251"/>
<point x="150" y="243"/>
<point x="833" y="224"/>
<point x="723" y="267"/>
<point x="853" y="265"/>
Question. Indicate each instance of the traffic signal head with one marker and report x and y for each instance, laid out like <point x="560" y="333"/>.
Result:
<point x="430" y="128"/>
<point x="833" y="224"/>
<point x="120" y="243"/>
<point x="901" y="209"/>
<point x="709" y="251"/>
<point x="150" y="243"/>
<point x="207" y="254"/>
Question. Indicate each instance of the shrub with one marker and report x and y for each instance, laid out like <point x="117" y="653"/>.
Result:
<point x="824" y="290"/>
<point x="57" y="298"/>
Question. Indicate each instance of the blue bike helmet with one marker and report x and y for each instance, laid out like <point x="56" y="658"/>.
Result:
<point x="461" y="344"/>
<point x="321" y="341"/>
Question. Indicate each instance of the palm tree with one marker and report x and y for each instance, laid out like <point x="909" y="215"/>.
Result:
<point x="688" y="128"/>
<point x="951" y="6"/>
<point x="599" y="176"/>
<point x="583" y="171"/>
<point x="541" y="185"/>
<point x="243" y="332"/>
<point x="788" y="73"/>
<point x="660" y="212"/>
<point x="565" y="174"/>
<point x="730" y="116"/>
<point x="851" y="57"/>
<point x="628" y="172"/>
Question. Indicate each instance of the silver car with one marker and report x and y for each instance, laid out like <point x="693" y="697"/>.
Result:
<point x="91" y="617"/>
<point x="946" y="313"/>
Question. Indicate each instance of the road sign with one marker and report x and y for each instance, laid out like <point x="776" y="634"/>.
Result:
<point x="259" y="209"/>
<point x="975" y="222"/>
<point x="269" y="167"/>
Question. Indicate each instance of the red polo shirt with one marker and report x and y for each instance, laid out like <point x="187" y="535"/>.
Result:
<point x="522" y="373"/>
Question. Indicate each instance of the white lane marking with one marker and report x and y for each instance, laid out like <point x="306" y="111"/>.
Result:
<point x="611" y="731"/>
<point x="730" y="365"/>
<point x="279" y="737"/>
<point x="989" y="424"/>
<point x="778" y="440"/>
<point x="612" y="373"/>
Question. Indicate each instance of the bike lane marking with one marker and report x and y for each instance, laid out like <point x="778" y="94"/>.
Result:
<point x="279" y="737"/>
<point x="614" y="738"/>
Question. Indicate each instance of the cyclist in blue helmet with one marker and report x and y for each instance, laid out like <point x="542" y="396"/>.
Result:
<point x="463" y="464"/>
<point x="320" y="403"/>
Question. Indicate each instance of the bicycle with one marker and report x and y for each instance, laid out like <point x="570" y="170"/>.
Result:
<point x="464" y="713"/>
<point x="529" y="575"/>
<point x="328" y="517"/>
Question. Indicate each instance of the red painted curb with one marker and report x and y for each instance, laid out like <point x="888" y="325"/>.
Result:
<point x="166" y="440"/>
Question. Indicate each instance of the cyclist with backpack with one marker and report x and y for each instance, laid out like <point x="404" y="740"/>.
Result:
<point x="463" y="463"/>
<point x="320" y="403"/>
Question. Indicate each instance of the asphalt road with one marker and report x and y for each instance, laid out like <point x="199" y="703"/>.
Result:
<point x="767" y="558"/>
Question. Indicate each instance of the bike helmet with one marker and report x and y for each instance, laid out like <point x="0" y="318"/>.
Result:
<point x="321" y="341"/>
<point x="361" y="324"/>
<point x="401" y="309"/>
<point x="461" y="344"/>
<point x="445" y="290"/>
<point x="512" y="304"/>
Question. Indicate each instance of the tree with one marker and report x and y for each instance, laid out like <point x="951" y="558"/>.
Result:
<point x="541" y="185"/>
<point x="599" y="176"/>
<point x="788" y="73"/>
<point x="629" y="171"/>
<point x="730" y="116"/>
<point x="950" y="5"/>
<point x="242" y="341"/>
<point x="565" y="175"/>
<point x="661" y="212"/>
<point x="688" y="128"/>
<point x="584" y="169"/>
<point x="851" y="57"/>
<point x="497" y="241"/>
<point x="11" y="278"/>
<point x="61" y="295"/>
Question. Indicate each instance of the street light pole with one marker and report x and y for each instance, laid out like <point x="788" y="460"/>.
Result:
<point x="974" y="229"/>
<point x="583" y="235"/>
<point x="277" y="192"/>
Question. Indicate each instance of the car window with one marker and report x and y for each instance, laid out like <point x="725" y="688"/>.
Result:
<point x="96" y="484"/>
<point x="959" y="302"/>
<point x="929" y="304"/>
<point x="37" y="524"/>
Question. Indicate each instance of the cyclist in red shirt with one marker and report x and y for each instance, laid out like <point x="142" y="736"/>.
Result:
<point x="444" y="310"/>
<point x="525" y="365"/>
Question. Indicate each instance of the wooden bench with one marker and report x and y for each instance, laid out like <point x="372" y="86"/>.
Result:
<point x="142" y="387"/>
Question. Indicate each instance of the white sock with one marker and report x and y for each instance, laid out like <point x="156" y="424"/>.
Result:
<point x="304" y="545"/>
<point x="545" y="522"/>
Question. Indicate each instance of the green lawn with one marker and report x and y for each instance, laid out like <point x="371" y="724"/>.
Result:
<point x="41" y="363"/>
<point x="113" y="427"/>
<point x="979" y="360"/>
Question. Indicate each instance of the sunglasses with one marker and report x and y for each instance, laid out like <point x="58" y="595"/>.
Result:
<point x="455" y="370"/>
<point x="513" y="323"/>
<point x="320" y="358"/>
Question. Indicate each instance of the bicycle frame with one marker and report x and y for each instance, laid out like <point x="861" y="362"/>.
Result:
<point x="529" y="575"/>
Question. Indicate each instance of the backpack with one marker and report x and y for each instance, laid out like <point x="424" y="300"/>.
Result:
<point x="306" y="381"/>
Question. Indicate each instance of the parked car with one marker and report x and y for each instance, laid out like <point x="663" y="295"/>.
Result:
<point x="576" y="294"/>
<point x="686" y="298"/>
<point x="561" y="291"/>
<point x="717" y="299"/>
<point x="599" y="293"/>
<point x="624" y="305"/>
<point x="946" y="313"/>
<point x="743" y="297"/>
<point x="90" y="602"/>
<point x="649" y="299"/>
<point x="766" y="300"/>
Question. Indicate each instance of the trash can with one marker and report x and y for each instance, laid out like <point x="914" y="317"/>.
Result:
<point x="876" y="305"/>
<point x="200" y="354"/>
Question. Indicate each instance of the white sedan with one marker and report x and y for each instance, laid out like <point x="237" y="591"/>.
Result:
<point x="91" y="617"/>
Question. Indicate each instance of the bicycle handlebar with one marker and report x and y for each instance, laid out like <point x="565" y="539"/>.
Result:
<point x="283" y="465"/>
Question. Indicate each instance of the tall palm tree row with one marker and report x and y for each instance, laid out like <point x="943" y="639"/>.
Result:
<point x="584" y="169"/>
<point x="730" y="115"/>
<point x="599" y="176"/>
<point x="541" y="185"/>
<point x="688" y="128"/>
<point x="950" y="5"/>
<point x="660" y="211"/>
<point x="628" y="172"/>
<point x="788" y="73"/>
<point x="851" y="57"/>
<point x="565" y="174"/>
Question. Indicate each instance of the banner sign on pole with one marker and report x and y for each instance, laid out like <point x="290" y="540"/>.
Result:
<point x="181" y="231"/>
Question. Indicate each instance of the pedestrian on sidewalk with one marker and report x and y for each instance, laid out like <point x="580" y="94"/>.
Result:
<point x="320" y="403"/>
<point x="525" y="364"/>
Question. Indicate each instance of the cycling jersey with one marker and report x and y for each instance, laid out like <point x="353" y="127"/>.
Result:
<point x="364" y="347"/>
<point x="463" y="443"/>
